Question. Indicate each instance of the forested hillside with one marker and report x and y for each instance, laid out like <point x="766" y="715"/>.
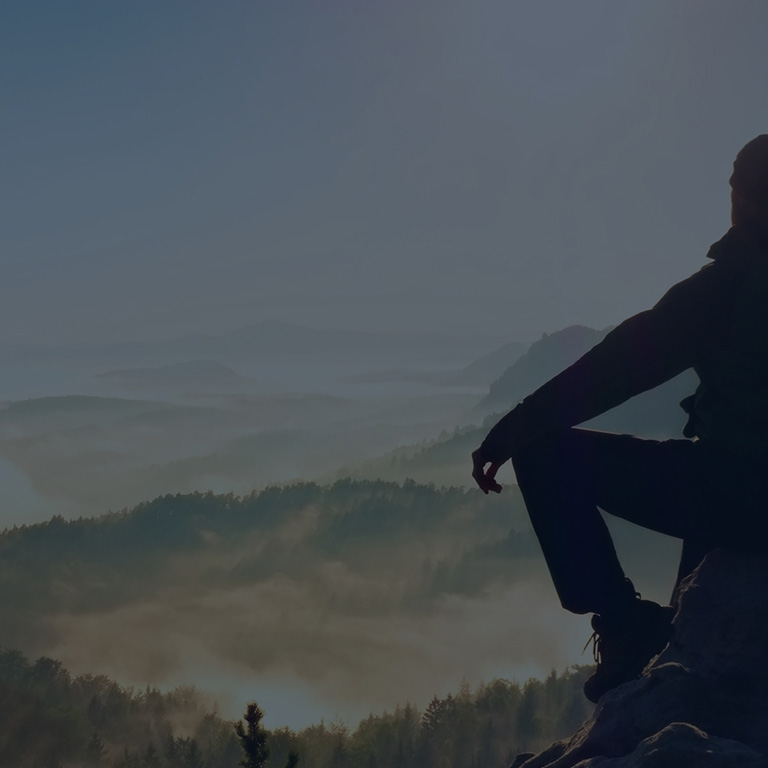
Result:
<point x="416" y="542"/>
<point x="365" y="593"/>
<point x="50" y="718"/>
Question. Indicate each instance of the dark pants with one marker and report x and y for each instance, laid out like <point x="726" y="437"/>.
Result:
<point x="682" y="488"/>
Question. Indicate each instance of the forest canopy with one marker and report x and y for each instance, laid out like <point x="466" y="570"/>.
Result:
<point x="50" y="718"/>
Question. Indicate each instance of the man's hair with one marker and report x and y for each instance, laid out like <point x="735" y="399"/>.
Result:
<point x="750" y="170"/>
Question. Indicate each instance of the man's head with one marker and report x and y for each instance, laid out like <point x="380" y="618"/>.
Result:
<point x="749" y="181"/>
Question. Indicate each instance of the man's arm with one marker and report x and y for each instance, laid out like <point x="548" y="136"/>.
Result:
<point x="642" y="352"/>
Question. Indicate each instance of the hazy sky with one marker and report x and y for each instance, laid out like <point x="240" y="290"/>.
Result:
<point x="186" y="165"/>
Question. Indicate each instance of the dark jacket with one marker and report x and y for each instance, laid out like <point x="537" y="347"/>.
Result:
<point x="715" y="321"/>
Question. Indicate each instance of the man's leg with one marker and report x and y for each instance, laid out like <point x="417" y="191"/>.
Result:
<point x="557" y="481"/>
<point x="564" y="480"/>
<point x="663" y="485"/>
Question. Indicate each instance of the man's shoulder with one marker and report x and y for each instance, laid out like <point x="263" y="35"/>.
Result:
<point x="740" y="245"/>
<point x="712" y="286"/>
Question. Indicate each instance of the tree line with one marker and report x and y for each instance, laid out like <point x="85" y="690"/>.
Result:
<point x="447" y="541"/>
<point x="49" y="719"/>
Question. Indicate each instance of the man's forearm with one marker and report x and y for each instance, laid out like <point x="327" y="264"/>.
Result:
<point x="632" y="358"/>
<point x="683" y="328"/>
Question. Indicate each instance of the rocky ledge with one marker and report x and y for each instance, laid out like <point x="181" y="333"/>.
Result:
<point x="704" y="700"/>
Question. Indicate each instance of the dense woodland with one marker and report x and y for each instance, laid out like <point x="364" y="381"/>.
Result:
<point x="249" y="575"/>
<point x="258" y="570"/>
<point x="400" y="539"/>
<point x="416" y="542"/>
<point x="49" y="719"/>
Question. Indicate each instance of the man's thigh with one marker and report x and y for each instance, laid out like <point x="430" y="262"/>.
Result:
<point x="678" y="487"/>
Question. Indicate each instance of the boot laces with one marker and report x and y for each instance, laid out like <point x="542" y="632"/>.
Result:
<point x="595" y="640"/>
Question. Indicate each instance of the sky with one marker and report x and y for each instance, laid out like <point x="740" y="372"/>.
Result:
<point x="494" y="166"/>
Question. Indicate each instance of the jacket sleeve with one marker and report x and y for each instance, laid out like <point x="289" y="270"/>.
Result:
<point x="639" y="354"/>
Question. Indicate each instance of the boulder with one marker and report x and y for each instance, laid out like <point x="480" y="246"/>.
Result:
<point x="702" y="701"/>
<point x="680" y="745"/>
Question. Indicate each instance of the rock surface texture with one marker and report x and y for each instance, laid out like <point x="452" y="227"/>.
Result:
<point x="704" y="700"/>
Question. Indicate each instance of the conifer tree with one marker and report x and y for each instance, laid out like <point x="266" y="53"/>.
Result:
<point x="194" y="758"/>
<point x="253" y="738"/>
<point x="94" y="752"/>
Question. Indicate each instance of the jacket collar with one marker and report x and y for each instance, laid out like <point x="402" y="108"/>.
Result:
<point x="752" y="235"/>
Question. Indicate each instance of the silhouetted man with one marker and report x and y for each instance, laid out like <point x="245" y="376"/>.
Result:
<point x="710" y="490"/>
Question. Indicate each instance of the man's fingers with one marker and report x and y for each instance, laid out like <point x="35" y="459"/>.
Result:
<point x="480" y="479"/>
<point x="490" y="478"/>
<point x="478" y="462"/>
<point x="485" y="478"/>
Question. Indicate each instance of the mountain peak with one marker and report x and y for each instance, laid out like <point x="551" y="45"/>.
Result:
<point x="544" y="359"/>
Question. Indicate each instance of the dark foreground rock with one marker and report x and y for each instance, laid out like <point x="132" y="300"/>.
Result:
<point x="704" y="700"/>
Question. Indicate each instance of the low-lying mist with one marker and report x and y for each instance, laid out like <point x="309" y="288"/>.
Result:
<point x="91" y="428"/>
<point x="313" y="600"/>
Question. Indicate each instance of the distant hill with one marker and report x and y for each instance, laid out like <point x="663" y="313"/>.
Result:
<point x="83" y="404"/>
<point x="655" y="413"/>
<point x="271" y="340"/>
<point x="195" y="375"/>
<point x="489" y="367"/>
<point x="47" y="414"/>
<point x="543" y="360"/>
<point x="89" y="454"/>
<point x="478" y="373"/>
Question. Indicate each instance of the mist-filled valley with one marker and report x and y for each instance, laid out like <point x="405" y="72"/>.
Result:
<point x="178" y="540"/>
<point x="153" y="423"/>
<point x="115" y="425"/>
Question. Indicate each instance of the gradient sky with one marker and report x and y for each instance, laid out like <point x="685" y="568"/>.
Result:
<point x="185" y="165"/>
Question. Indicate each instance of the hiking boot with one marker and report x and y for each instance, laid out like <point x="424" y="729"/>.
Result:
<point x="622" y="653"/>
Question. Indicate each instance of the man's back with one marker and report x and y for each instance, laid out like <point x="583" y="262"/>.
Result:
<point x="730" y="407"/>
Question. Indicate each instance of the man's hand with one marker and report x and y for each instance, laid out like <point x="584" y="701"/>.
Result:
<point x="485" y="478"/>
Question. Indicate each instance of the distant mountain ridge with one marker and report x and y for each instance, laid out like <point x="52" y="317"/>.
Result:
<point x="194" y="374"/>
<point x="269" y="339"/>
<point x="489" y="367"/>
<point x="654" y="413"/>
<point x="74" y="407"/>
<point x="477" y="373"/>
<point x="544" y="359"/>
<point x="201" y="369"/>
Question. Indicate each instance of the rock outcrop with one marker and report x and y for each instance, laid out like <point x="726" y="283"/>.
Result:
<point x="704" y="700"/>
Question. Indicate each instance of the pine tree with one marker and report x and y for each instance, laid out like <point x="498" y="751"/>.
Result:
<point x="172" y="754"/>
<point x="194" y="758"/>
<point x="253" y="738"/>
<point x="528" y="721"/>
<point x="94" y="752"/>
